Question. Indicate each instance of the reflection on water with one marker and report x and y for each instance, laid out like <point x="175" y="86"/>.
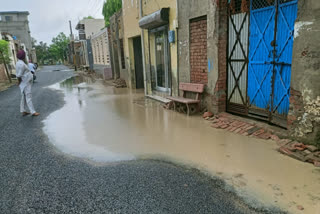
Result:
<point x="107" y="124"/>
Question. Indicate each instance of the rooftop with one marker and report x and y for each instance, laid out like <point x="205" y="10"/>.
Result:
<point x="14" y="12"/>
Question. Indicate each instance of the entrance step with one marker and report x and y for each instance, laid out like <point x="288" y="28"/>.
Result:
<point x="159" y="98"/>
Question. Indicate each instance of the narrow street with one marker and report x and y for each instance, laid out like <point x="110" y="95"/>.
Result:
<point x="35" y="177"/>
<point x="160" y="106"/>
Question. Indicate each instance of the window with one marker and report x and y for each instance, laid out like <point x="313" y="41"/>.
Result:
<point x="123" y="63"/>
<point x="8" y="18"/>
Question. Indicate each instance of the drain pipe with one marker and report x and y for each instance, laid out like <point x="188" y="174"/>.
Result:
<point x="143" y="54"/>
<point x="177" y="36"/>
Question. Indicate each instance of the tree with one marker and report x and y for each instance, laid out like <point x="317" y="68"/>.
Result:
<point x="88" y="17"/>
<point x="57" y="51"/>
<point x="4" y="52"/>
<point x="110" y="7"/>
<point x="42" y="52"/>
<point x="59" y="47"/>
<point x="4" y="56"/>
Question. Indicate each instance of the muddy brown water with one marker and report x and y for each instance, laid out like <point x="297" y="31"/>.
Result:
<point x="105" y="124"/>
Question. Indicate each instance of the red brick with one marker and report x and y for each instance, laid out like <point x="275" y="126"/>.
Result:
<point x="215" y="125"/>
<point x="224" y="126"/>
<point x="245" y="134"/>
<point x="265" y="136"/>
<point x="256" y="133"/>
<point x="249" y="127"/>
<point x="237" y="130"/>
<point x="274" y="137"/>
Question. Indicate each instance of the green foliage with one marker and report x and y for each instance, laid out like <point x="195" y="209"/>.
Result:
<point x="4" y="52"/>
<point x="57" y="51"/>
<point x="88" y="17"/>
<point x="109" y="8"/>
<point x="42" y="52"/>
<point x="59" y="46"/>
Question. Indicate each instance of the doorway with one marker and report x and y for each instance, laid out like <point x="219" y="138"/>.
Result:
<point x="138" y="66"/>
<point x="259" y="58"/>
<point x="160" y="51"/>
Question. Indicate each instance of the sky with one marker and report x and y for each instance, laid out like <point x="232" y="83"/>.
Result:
<point x="50" y="17"/>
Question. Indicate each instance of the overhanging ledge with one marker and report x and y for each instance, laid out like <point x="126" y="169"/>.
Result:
<point x="156" y="19"/>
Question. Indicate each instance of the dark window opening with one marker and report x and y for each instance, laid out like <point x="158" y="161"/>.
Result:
<point x="239" y="6"/>
<point x="8" y="18"/>
<point x="123" y="63"/>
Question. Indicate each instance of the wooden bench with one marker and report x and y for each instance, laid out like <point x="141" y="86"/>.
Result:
<point x="188" y="87"/>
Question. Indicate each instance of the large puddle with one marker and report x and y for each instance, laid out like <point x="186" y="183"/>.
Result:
<point x="105" y="124"/>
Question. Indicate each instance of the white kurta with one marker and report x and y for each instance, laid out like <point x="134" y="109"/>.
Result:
<point x="25" y="86"/>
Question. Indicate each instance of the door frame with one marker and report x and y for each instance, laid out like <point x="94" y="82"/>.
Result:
<point x="167" y="88"/>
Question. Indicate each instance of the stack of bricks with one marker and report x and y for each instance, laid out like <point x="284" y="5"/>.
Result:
<point x="300" y="151"/>
<point x="223" y="121"/>
<point x="294" y="149"/>
<point x="198" y="51"/>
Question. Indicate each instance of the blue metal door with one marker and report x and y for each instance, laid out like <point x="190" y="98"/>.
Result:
<point x="270" y="56"/>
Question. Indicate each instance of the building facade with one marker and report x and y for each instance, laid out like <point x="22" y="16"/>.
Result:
<point x="88" y="27"/>
<point x="101" y="53"/>
<point x="201" y="49"/>
<point x="132" y="44"/>
<point x="16" y="23"/>
<point x="257" y="58"/>
<point x="159" y="22"/>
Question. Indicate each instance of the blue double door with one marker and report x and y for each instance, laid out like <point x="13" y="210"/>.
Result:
<point x="270" y="56"/>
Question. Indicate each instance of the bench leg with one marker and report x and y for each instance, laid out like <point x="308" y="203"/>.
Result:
<point x="174" y="106"/>
<point x="188" y="113"/>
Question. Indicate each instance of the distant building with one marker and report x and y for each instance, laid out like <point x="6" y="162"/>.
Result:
<point x="16" y="23"/>
<point x="101" y="53"/>
<point x="100" y="48"/>
<point x="88" y="27"/>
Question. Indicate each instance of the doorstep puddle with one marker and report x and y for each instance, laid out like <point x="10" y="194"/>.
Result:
<point x="106" y="124"/>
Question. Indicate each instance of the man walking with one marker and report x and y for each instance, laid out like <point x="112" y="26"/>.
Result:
<point x="32" y="68"/>
<point x="25" y="79"/>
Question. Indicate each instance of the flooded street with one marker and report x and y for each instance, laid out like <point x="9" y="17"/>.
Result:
<point x="105" y="124"/>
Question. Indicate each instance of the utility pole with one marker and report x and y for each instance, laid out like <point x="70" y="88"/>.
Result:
<point x="72" y="47"/>
<point x="5" y="66"/>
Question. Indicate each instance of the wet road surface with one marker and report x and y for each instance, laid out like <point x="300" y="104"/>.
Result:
<point x="105" y="124"/>
<point x="37" y="178"/>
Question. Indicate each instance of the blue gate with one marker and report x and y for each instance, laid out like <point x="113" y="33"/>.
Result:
<point x="270" y="57"/>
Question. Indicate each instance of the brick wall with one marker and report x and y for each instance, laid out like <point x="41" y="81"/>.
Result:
<point x="198" y="51"/>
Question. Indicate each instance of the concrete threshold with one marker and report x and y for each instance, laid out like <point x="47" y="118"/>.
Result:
<point x="158" y="98"/>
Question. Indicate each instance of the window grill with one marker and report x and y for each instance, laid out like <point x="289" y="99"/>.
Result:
<point x="285" y="1"/>
<point x="257" y="4"/>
